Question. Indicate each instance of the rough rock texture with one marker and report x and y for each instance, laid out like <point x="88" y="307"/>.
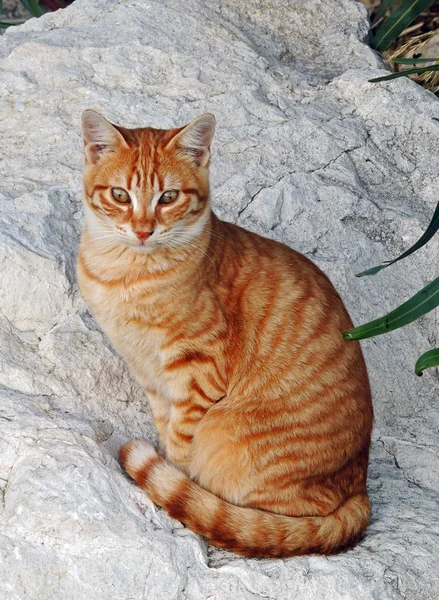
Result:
<point x="308" y="152"/>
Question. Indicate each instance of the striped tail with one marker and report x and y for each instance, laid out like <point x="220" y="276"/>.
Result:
<point x="246" y="531"/>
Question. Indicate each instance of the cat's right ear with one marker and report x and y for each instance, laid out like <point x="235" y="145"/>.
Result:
<point x="100" y="136"/>
<point x="193" y="141"/>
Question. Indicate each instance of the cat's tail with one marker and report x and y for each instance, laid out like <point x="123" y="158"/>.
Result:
<point x="246" y="531"/>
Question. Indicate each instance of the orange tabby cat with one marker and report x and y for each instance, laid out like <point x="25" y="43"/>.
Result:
<point x="263" y="411"/>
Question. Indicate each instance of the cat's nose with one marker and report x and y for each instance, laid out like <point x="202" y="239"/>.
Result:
<point x="143" y="235"/>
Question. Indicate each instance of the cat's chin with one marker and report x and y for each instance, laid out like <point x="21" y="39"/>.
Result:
<point x="141" y="249"/>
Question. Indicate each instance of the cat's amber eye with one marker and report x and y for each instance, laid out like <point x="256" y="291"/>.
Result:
<point x="169" y="197"/>
<point x="120" y="195"/>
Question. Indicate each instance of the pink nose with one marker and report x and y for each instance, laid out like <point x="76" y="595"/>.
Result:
<point x="143" y="235"/>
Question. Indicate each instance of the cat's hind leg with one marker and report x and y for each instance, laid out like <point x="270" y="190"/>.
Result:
<point x="219" y="463"/>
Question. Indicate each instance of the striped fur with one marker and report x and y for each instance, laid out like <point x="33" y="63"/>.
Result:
<point x="247" y="531"/>
<point x="263" y="411"/>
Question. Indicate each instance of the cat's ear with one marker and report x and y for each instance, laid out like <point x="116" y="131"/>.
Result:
<point x="100" y="136"/>
<point x="194" y="140"/>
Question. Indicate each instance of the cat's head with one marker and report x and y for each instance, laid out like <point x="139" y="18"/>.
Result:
<point x="147" y="188"/>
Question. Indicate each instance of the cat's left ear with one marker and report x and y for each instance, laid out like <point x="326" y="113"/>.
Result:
<point x="100" y="136"/>
<point x="194" y="140"/>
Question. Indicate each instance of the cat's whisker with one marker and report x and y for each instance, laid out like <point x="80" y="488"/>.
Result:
<point x="213" y="234"/>
<point x="100" y="237"/>
<point x="101" y="242"/>
<point x="189" y="241"/>
<point x="185" y="248"/>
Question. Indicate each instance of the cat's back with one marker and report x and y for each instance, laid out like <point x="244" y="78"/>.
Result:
<point x="290" y="318"/>
<point x="265" y="268"/>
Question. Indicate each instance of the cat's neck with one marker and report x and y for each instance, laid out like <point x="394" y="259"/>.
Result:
<point x="112" y="263"/>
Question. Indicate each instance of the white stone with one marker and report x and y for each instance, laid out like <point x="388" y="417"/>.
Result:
<point x="308" y="152"/>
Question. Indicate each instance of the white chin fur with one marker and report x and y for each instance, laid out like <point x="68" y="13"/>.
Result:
<point x="142" y="249"/>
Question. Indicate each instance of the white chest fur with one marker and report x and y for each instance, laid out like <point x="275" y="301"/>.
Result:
<point x="128" y="316"/>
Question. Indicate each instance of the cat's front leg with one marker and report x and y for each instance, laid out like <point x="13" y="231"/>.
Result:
<point x="160" y="408"/>
<point x="184" y="418"/>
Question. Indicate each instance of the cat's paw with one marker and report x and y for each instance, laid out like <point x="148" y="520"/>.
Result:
<point x="136" y="456"/>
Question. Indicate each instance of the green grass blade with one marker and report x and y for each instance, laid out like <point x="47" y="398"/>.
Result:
<point x="385" y="5"/>
<point x="397" y="21"/>
<point x="414" y="61"/>
<point x="33" y="6"/>
<point x="405" y="73"/>
<point x="427" y="360"/>
<point x="418" y="305"/>
<point x="5" y="25"/>
<point x="425" y="237"/>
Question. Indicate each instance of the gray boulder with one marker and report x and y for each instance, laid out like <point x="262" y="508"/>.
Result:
<point x="307" y="152"/>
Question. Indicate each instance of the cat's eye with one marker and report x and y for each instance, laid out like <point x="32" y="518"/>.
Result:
<point x="120" y="195"/>
<point x="169" y="197"/>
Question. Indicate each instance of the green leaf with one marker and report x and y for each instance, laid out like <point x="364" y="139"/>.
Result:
<point x="397" y="21"/>
<point x="427" y="360"/>
<point x="385" y="5"/>
<point x="405" y="72"/>
<point x="33" y="6"/>
<point x="5" y="25"/>
<point x="417" y="306"/>
<point x="414" y="61"/>
<point x="429" y="233"/>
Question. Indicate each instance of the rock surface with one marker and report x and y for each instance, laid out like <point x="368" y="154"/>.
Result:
<point x="308" y="152"/>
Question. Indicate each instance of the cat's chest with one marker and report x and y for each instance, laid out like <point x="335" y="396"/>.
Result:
<point x="131" y="322"/>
